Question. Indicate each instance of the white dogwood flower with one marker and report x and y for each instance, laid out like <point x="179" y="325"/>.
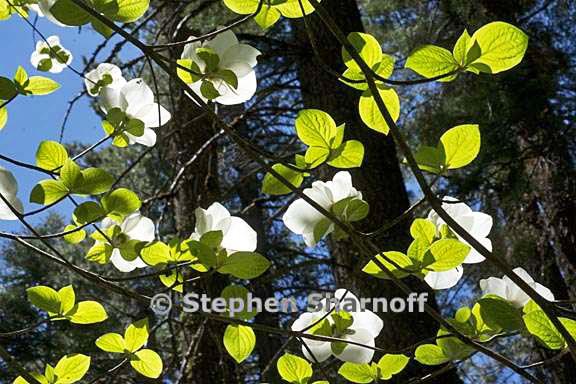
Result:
<point x="337" y="196"/>
<point x="105" y="75"/>
<point x="50" y="56"/>
<point x="9" y="189"/>
<point x="508" y="290"/>
<point x="477" y="224"/>
<point x="134" y="227"/>
<point x="226" y="66"/>
<point x="136" y="100"/>
<point x="351" y="322"/>
<point x="238" y="236"/>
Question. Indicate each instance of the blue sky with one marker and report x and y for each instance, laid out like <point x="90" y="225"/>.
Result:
<point x="34" y="119"/>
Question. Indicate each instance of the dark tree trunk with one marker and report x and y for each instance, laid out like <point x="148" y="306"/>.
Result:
<point x="379" y="179"/>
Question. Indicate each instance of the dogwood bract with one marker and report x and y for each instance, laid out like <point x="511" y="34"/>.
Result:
<point x="225" y="66"/>
<point x="105" y="75"/>
<point x="50" y="56"/>
<point x="9" y="189"/>
<point x="238" y="236"/>
<point x="136" y="100"/>
<point x="134" y="227"/>
<point x="350" y="322"/>
<point x="507" y="289"/>
<point x="43" y="9"/>
<point x="477" y="224"/>
<point x="337" y="196"/>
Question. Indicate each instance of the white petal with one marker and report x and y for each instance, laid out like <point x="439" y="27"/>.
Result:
<point x="136" y="94"/>
<point x="203" y="221"/>
<point x="543" y="291"/>
<point x="122" y="264"/>
<point x="474" y="256"/>
<point x="444" y="280"/>
<point x="148" y="138"/>
<point x="239" y="53"/>
<point x="301" y="217"/>
<point x="5" y="211"/>
<point x="110" y="98"/>
<point x="53" y="41"/>
<point x="8" y="183"/>
<point x="240" y="236"/>
<point x="493" y="286"/>
<point x="141" y="228"/>
<point x="149" y="115"/>
<point x="36" y="57"/>
<point x="482" y="224"/>
<point x="221" y="42"/>
<point x="218" y="212"/>
<point x="355" y="353"/>
<point x="321" y="350"/>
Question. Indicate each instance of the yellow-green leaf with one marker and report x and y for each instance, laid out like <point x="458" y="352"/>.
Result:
<point x="239" y="341"/>
<point x="371" y="115"/>
<point x="147" y="362"/>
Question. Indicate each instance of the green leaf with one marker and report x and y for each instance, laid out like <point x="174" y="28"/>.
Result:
<point x="47" y="192"/>
<point x="75" y="237"/>
<point x="239" y="341"/>
<point x="7" y="89"/>
<point x="391" y="364"/>
<point x="460" y="145"/>
<point x="237" y="293"/>
<point x="51" y="155"/>
<point x="452" y="347"/>
<point x="44" y="298"/>
<point x="121" y="202"/>
<point x="315" y="128"/>
<point x="273" y="186"/>
<point x="431" y="61"/>
<point x="210" y="58"/>
<point x="147" y="362"/>
<point x="370" y="114"/>
<point x="3" y="116"/>
<point x="245" y="265"/>
<point x="72" y="368"/>
<point x="294" y="369"/>
<point x="111" y="342"/>
<point x="87" y="312"/>
<point x="242" y="7"/>
<point x="155" y="253"/>
<point x="497" y="313"/>
<point x="267" y="17"/>
<point x="136" y="335"/>
<point x="358" y="373"/>
<point x="67" y="298"/>
<point x="130" y="10"/>
<point x="71" y="175"/>
<point x="399" y="258"/>
<point x="447" y="254"/>
<point x="430" y="159"/>
<point x="502" y="47"/>
<point x="430" y="354"/>
<point x="39" y="85"/>
<point x="191" y="76"/>
<point x="88" y="212"/>
<point x="315" y="156"/>
<point x="228" y="76"/>
<point x="540" y="326"/>
<point x="367" y="47"/>
<point x="461" y="48"/>
<point x="423" y="229"/>
<point x="21" y="77"/>
<point x="95" y="181"/>
<point x="208" y="90"/>
<point x="66" y="12"/>
<point x="100" y="253"/>
<point x="212" y="239"/>
<point x="349" y="154"/>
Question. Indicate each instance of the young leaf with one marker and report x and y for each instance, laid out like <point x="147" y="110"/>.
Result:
<point x="130" y="10"/>
<point x="540" y="326"/>
<point x="431" y="61"/>
<point x="370" y="114"/>
<point x="358" y="373"/>
<point x="100" y="253"/>
<point x="111" y="342"/>
<point x="121" y="202"/>
<point x="367" y="47"/>
<point x="294" y="369"/>
<point x="67" y="298"/>
<point x="51" y="155"/>
<point x="74" y="237"/>
<point x="349" y="154"/>
<point x="95" y="182"/>
<point x="88" y="212"/>
<point x="39" y="85"/>
<point x="430" y="354"/>
<point x="447" y="254"/>
<point x="71" y="175"/>
<point x="245" y="265"/>
<point x="497" y="313"/>
<point x="391" y="364"/>
<point x="3" y="116"/>
<point x="315" y="128"/>
<point x="155" y="253"/>
<point x="136" y="335"/>
<point x="272" y="186"/>
<point x="147" y="362"/>
<point x="72" y="368"/>
<point x="460" y="145"/>
<point x="87" y="312"/>
<point x="239" y="341"/>
<point x="44" y="298"/>
<point x="423" y="229"/>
